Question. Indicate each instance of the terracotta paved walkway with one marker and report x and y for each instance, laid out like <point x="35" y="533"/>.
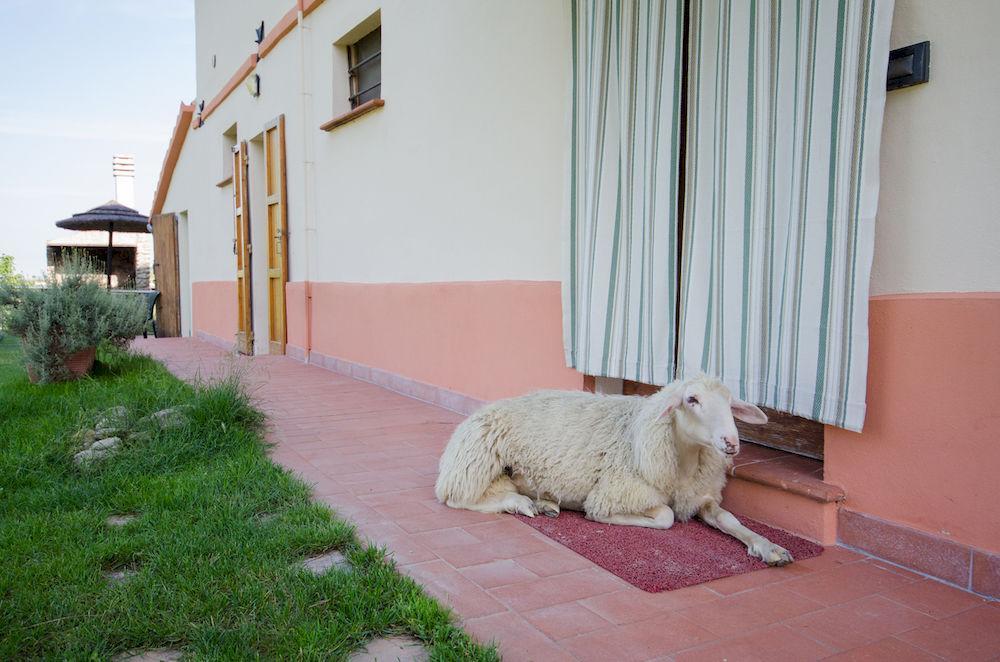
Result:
<point x="372" y="456"/>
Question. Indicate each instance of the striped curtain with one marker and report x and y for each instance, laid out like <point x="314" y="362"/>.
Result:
<point x="620" y="293"/>
<point x="785" y="116"/>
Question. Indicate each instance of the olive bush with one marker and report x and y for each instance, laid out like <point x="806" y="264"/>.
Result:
<point x="71" y="313"/>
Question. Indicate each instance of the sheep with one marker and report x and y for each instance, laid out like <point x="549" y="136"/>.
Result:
<point x="628" y="460"/>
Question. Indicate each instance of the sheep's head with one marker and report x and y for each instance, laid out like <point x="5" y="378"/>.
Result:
<point x="704" y="411"/>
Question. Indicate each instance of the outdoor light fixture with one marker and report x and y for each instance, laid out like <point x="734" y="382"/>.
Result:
<point x="909" y="65"/>
<point x="253" y="85"/>
<point x="260" y="33"/>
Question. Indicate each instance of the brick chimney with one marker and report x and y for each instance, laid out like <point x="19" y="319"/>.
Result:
<point x="123" y="167"/>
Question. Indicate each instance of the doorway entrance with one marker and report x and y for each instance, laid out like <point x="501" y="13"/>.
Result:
<point x="260" y="210"/>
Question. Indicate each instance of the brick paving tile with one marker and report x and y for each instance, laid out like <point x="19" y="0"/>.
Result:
<point x="848" y="582"/>
<point x="642" y="640"/>
<point x="498" y="573"/>
<point x="734" y="614"/>
<point x="557" y="589"/>
<point x="934" y="598"/>
<point x="565" y="620"/>
<point x="774" y="642"/>
<point x="518" y="639"/>
<point x="372" y="454"/>
<point x="859" y="623"/>
<point x="883" y="650"/>
<point x="451" y="587"/>
<point x="969" y="636"/>
<point x="628" y="605"/>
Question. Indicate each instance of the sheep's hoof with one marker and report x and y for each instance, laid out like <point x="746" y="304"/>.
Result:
<point x="521" y="505"/>
<point x="771" y="554"/>
<point x="779" y="556"/>
<point x="547" y="508"/>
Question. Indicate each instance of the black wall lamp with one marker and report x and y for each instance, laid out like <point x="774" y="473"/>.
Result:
<point x="260" y="33"/>
<point x="253" y="85"/>
<point x="909" y="65"/>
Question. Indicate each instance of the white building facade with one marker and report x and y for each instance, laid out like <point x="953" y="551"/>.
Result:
<point x="426" y="237"/>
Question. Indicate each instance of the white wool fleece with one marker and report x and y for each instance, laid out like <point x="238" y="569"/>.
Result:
<point x="603" y="454"/>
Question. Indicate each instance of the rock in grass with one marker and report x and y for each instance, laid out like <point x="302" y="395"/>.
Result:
<point x="112" y="416"/>
<point x="120" y="575"/>
<point x="322" y="562"/>
<point x="405" y="649"/>
<point x="165" y="419"/>
<point x="151" y="655"/>
<point x="86" y="456"/>
<point x="86" y="437"/>
<point x="119" y="520"/>
<point x="111" y="421"/>
<point x="110" y="443"/>
<point x="97" y="451"/>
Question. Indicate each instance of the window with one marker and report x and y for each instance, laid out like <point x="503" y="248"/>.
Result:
<point x="364" y="62"/>
<point x="228" y="142"/>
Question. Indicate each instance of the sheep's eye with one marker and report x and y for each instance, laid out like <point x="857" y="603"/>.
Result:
<point x="693" y="400"/>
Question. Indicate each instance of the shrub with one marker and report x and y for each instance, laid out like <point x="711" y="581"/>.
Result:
<point x="8" y="278"/>
<point x="71" y="313"/>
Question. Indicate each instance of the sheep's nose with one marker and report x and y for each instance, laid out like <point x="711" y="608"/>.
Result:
<point x="732" y="443"/>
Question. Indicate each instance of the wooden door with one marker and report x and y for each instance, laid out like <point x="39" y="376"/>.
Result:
<point x="243" y="250"/>
<point x="166" y="271"/>
<point x="277" y="232"/>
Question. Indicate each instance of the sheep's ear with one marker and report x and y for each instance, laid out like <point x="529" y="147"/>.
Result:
<point x="672" y="402"/>
<point x="748" y="413"/>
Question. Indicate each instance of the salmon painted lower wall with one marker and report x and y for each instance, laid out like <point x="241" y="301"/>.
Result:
<point x="297" y="296"/>
<point x="929" y="455"/>
<point x="483" y="339"/>
<point x="213" y="309"/>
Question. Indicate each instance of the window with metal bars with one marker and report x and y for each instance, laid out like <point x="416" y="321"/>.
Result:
<point x="364" y="61"/>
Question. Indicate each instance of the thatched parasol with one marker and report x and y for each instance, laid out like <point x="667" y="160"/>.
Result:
<point x="110" y="217"/>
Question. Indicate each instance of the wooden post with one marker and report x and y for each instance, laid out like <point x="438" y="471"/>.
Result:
<point x="111" y="236"/>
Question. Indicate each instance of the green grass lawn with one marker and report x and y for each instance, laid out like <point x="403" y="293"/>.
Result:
<point x="218" y="532"/>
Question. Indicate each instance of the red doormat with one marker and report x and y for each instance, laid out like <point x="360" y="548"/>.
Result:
<point x="654" y="560"/>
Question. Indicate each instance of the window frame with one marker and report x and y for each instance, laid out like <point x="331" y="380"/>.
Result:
<point x="354" y="67"/>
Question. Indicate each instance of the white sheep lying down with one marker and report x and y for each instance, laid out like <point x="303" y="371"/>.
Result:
<point x="631" y="460"/>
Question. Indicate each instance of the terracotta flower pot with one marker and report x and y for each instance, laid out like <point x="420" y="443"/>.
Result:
<point x="78" y="364"/>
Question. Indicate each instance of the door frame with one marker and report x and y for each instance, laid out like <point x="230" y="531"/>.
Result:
<point x="243" y="250"/>
<point x="276" y="205"/>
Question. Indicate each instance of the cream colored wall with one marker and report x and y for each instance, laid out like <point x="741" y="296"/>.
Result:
<point x="461" y="176"/>
<point x="938" y="225"/>
<point x="225" y="29"/>
<point x="193" y="186"/>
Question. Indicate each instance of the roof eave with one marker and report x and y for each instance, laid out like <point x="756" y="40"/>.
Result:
<point x="181" y="129"/>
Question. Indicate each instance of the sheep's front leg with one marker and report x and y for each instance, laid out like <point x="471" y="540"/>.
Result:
<point x="500" y="497"/>
<point x="757" y="545"/>
<point x="656" y="518"/>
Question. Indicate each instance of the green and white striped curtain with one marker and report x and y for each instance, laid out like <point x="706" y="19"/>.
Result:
<point x="620" y="294"/>
<point x="785" y="102"/>
<point x="782" y="186"/>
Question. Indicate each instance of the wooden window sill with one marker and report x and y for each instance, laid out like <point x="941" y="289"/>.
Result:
<point x="352" y="114"/>
<point x="225" y="182"/>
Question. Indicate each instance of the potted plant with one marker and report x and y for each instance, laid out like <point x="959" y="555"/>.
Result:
<point x="62" y="324"/>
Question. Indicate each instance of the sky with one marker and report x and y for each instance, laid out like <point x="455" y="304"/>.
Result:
<point x="83" y="80"/>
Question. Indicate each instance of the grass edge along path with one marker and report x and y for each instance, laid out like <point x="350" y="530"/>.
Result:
<point x="215" y="545"/>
